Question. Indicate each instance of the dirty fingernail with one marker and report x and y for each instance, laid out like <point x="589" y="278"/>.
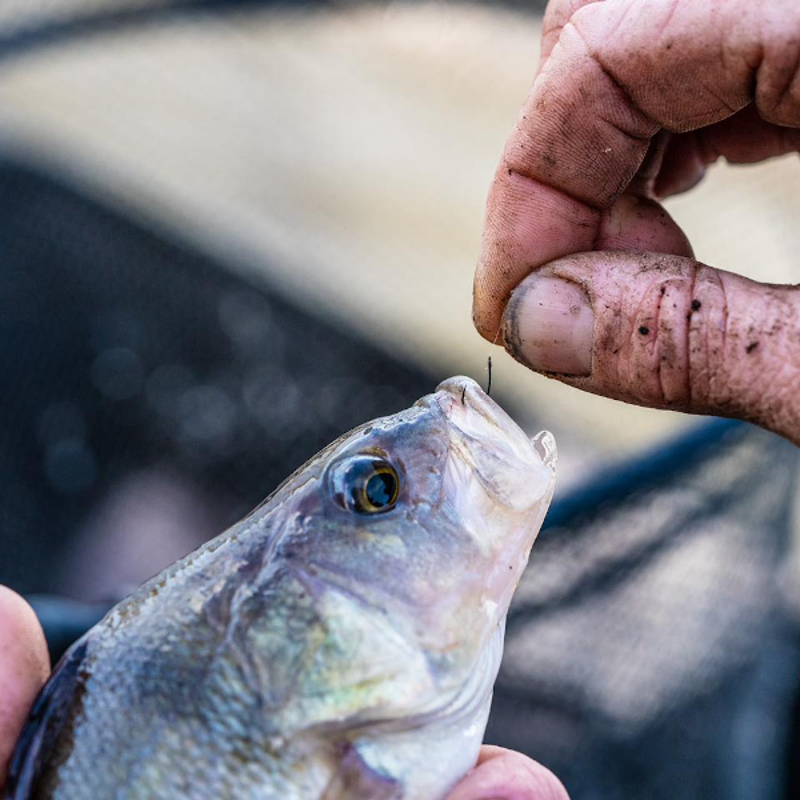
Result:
<point x="548" y="326"/>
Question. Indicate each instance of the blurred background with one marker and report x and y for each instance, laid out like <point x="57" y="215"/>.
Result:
<point x="231" y="230"/>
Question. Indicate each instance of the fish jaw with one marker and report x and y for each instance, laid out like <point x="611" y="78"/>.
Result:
<point x="516" y="471"/>
<point x="501" y="483"/>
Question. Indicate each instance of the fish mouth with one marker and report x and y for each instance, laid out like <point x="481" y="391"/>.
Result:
<point x="517" y="472"/>
<point x="499" y="483"/>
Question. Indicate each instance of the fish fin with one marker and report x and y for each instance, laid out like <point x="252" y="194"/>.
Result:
<point x="357" y="780"/>
<point x="45" y="722"/>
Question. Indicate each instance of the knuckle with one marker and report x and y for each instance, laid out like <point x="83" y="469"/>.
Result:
<point x="670" y="351"/>
<point x="581" y="134"/>
<point x="763" y="351"/>
<point x="707" y="382"/>
<point x="744" y="351"/>
<point x="777" y="92"/>
<point x="654" y="360"/>
<point x="781" y="106"/>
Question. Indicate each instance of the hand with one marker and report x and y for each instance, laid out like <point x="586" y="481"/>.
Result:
<point x="24" y="666"/>
<point x="632" y="101"/>
<point x="504" y="775"/>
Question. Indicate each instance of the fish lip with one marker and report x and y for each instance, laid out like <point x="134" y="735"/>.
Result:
<point x="515" y="470"/>
<point x="463" y="393"/>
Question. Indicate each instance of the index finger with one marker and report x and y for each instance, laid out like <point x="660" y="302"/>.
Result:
<point x="557" y="14"/>
<point x="620" y="72"/>
<point x="24" y="666"/>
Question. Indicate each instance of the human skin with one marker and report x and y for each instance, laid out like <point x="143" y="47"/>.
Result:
<point x="583" y="275"/>
<point x="24" y="666"/>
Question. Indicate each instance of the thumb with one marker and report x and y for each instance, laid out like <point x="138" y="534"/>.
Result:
<point x="663" y="331"/>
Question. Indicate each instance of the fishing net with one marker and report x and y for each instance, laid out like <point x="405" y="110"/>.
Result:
<point x="648" y="653"/>
<point x="160" y="376"/>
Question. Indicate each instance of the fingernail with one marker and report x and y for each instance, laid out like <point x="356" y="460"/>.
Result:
<point x="548" y="326"/>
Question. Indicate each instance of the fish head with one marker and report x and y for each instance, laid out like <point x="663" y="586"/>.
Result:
<point x="427" y="518"/>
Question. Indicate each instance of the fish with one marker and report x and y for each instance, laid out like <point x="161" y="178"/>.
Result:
<point x="341" y="642"/>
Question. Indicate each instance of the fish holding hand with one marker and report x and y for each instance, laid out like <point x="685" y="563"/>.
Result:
<point x="339" y="643"/>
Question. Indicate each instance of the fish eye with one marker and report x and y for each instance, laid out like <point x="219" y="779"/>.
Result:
<point x="366" y="484"/>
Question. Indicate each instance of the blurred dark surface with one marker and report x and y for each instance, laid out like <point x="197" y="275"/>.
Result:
<point x="648" y="652"/>
<point x="124" y="354"/>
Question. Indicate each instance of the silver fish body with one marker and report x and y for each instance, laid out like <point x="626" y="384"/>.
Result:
<point x="341" y="641"/>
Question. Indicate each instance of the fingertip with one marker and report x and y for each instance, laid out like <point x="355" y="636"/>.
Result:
<point x="24" y="666"/>
<point x="505" y="775"/>
<point x="21" y="635"/>
<point x="486" y="314"/>
<point x="527" y="225"/>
